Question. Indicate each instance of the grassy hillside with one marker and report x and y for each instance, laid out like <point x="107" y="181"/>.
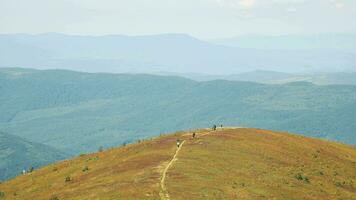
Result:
<point x="79" y="112"/>
<point x="17" y="154"/>
<point x="222" y="164"/>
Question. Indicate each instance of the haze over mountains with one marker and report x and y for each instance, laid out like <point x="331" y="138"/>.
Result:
<point x="177" y="53"/>
<point x="177" y="99"/>
<point x="79" y="112"/>
<point x="54" y="114"/>
<point x="343" y="42"/>
<point x="273" y="77"/>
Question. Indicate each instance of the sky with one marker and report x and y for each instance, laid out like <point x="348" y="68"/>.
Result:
<point x="206" y="19"/>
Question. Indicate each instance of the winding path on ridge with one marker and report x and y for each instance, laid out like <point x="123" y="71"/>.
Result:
<point x="164" y="193"/>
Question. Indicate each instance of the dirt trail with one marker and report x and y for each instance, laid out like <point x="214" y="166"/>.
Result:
<point x="164" y="193"/>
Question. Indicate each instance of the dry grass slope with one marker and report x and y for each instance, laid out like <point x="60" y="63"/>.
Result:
<point x="224" y="164"/>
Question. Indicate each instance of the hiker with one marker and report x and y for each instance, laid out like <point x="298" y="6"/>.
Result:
<point x="193" y="134"/>
<point x="178" y="143"/>
<point x="214" y="127"/>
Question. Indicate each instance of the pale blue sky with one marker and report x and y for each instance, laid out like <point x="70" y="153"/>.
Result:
<point x="201" y="18"/>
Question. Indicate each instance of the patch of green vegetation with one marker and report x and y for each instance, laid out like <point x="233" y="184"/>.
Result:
<point x="53" y="197"/>
<point x="67" y="179"/>
<point x="86" y="168"/>
<point x="302" y="177"/>
<point x="321" y="173"/>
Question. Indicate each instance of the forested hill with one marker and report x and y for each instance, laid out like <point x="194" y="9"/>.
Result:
<point x="17" y="154"/>
<point x="79" y="112"/>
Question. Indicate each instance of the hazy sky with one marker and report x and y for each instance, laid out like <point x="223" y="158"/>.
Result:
<point x="200" y="18"/>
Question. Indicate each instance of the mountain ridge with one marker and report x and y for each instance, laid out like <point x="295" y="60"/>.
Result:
<point x="54" y="106"/>
<point x="177" y="53"/>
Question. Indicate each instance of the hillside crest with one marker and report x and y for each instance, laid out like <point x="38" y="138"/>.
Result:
<point x="227" y="163"/>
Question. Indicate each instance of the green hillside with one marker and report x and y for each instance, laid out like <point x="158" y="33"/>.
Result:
<point x="17" y="154"/>
<point x="79" y="112"/>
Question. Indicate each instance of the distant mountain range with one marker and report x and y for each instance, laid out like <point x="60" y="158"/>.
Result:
<point x="17" y="154"/>
<point x="343" y="42"/>
<point x="272" y="77"/>
<point x="79" y="112"/>
<point x="175" y="53"/>
<point x="44" y="113"/>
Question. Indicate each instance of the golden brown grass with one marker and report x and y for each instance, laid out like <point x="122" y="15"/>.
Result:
<point x="225" y="164"/>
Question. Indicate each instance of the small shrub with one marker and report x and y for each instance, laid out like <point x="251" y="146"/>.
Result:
<point x="2" y="195"/>
<point x="68" y="179"/>
<point x="338" y="184"/>
<point x="299" y="177"/>
<point x="234" y="185"/>
<point x="302" y="178"/>
<point x="53" y="197"/>
<point x="86" y="168"/>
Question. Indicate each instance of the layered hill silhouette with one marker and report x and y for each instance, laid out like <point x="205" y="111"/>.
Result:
<point x="79" y="112"/>
<point x="17" y="154"/>
<point x="344" y="42"/>
<point x="229" y="163"/>
<point x="272" y="77"/>
<point x="155" y="53"/>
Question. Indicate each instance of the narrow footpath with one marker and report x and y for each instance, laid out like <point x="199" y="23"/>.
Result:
<point x="164" y="193"/>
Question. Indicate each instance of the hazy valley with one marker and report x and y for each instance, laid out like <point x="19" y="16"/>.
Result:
<point x="81" y="112"/>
